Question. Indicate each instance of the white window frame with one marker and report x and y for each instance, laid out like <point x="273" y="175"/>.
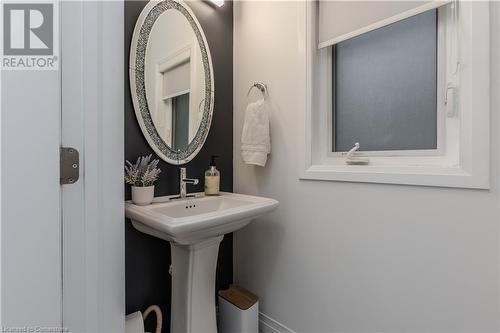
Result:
<point x="463" y="161"/>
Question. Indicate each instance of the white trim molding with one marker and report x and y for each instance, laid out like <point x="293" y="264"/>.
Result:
<point x="270" y="325"/>
<point x="468" y="166"/>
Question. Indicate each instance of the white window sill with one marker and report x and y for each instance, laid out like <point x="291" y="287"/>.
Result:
<point x="409" y="175"/>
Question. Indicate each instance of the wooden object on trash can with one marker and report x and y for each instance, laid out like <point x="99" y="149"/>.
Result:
<point x="240" y="297"/>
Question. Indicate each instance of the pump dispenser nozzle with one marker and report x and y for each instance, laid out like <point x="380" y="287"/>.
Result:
<point x="212" y="160"/>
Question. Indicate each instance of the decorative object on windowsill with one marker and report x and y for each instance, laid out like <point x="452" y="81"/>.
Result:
<point x="353" y="160"/>
<point x="142" y="176"/>
<point x="255" y="137"/>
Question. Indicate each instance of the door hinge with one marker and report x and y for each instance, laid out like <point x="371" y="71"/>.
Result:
<point x="69" y="165"/>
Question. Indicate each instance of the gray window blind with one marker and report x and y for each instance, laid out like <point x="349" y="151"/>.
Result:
<point x="340" y="20"/>
<point x="384" y="89"/>
<point x="177" y="80"/>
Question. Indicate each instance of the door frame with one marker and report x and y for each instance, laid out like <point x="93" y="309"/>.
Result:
<point x="92" y="98"/>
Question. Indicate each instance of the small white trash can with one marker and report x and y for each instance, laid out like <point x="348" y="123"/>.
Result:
<point x="238" y="311"/>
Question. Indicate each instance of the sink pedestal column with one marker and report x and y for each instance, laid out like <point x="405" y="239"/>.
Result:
<point x="193" y="286"/>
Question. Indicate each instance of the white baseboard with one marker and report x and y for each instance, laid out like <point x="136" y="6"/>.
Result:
<point x="269" y="325"/>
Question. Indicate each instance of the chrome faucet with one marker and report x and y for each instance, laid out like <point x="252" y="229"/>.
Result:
<point x="183" y="181"/>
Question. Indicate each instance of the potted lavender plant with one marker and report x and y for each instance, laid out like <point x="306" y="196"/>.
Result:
<point x="142" y="176"/>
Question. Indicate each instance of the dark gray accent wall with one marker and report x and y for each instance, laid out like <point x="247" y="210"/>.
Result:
<point x="147" y="259"/>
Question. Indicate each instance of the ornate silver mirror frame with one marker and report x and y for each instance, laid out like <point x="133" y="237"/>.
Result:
<point x="138" y="47"/>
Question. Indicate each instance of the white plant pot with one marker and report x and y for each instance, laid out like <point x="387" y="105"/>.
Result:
<point x="143" y="196"/>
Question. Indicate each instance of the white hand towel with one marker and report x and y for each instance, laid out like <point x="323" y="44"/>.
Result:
<point x="255" y="139"/>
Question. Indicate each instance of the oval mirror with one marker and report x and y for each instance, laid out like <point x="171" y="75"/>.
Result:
<point x="171" y="80"/>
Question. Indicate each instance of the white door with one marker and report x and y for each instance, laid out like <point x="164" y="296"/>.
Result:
<point x="62" y="255"/>
<point x="31" y="271"/>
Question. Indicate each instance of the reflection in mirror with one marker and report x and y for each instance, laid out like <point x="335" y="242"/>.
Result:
<point x="174" y="79"/>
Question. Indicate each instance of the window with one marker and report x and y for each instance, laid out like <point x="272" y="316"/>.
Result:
<point x="385" y="87"/>
<point x="409" y="81"/>
<point x="180" y="121"/>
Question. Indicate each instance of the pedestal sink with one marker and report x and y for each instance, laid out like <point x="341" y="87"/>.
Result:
<point x="195" y="227"/>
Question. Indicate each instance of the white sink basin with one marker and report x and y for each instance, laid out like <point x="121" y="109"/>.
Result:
<point x="195" y="227"/>
<point x="191" y="220"/>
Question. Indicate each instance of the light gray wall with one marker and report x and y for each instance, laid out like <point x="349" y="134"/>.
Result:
<point x="352" y="257"/>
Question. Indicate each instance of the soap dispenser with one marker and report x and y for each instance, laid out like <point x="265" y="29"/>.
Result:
<point x="212" y="178"/>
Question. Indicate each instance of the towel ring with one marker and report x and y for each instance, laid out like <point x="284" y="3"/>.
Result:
<point x="261" y="86"/>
